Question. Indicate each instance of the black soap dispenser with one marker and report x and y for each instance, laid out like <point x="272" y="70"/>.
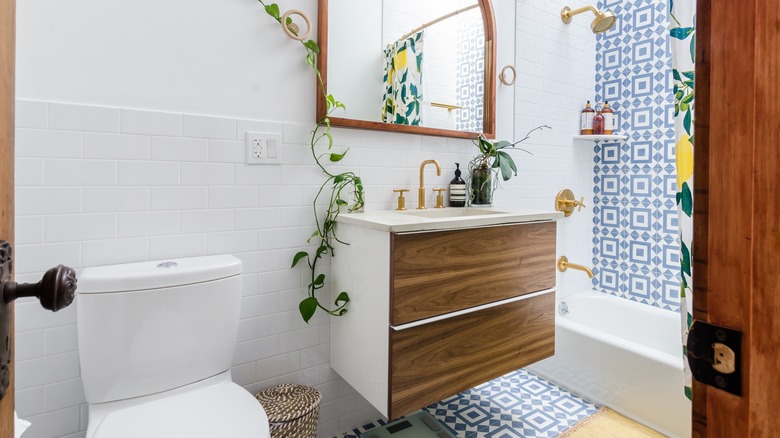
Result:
<point x="457" y="189"/>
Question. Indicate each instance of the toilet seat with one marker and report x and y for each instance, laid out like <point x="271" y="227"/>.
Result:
<point x="220" y="410"/>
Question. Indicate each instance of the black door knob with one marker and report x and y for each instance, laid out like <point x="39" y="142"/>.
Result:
<point x="56" y="289"/>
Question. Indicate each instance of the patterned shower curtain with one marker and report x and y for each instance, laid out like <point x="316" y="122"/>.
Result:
<point x="403" y="81"/>
<point x="683" y="41"/>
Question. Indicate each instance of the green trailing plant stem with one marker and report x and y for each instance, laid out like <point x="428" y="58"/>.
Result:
<point x="336" y="184"/>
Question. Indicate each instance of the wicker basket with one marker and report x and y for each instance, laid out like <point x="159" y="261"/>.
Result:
<point x="293" y="410"/>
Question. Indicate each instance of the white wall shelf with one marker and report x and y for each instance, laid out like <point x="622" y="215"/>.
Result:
<point x="600" y="137"/>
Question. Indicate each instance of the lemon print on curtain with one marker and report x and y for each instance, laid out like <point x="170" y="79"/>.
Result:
<point x="683" y="41"/>
<point x="403" y="81"/>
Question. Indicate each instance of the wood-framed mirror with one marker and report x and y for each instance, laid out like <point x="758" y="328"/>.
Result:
<point x="415" y="66"/>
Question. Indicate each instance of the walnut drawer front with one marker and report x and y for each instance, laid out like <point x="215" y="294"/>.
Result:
<point x="436" y="360"/>
<point x="445" y="271"/>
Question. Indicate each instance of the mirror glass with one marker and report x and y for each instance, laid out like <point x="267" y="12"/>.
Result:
<point x="397" y="64"/>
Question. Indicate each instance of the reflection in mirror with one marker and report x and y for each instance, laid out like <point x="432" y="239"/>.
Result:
<point x="410" y="63"/>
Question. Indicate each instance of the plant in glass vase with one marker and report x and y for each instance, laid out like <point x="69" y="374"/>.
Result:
<point x="493" y="158"/>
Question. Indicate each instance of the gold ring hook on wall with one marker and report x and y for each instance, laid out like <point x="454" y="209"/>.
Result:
<point x="291" y="29"/>
<point x="502" y="76"/>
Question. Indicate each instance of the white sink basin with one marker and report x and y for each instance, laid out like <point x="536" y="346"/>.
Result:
<point x="434" y="219"/>
<point x="451" y="212"/>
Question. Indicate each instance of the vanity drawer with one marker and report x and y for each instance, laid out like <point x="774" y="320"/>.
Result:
<point x="436" y="360"/>
<point x="441" y="272"/>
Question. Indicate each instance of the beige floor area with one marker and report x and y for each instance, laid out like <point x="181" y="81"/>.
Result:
<point x="609" y="424"/>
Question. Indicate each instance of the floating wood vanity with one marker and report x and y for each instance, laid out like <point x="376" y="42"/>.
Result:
<point x="440" y="305"/>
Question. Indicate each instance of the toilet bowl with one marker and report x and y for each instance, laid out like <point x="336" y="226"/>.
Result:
<point x="156" y="343"/>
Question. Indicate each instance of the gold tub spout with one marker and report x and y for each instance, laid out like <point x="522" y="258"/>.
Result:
<point x="563" y="265"/>
<point x="421" y="190"/>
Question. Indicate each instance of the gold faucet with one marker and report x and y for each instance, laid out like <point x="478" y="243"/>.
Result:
<point x="563" y="265"/>
<point x="421" y="190"/>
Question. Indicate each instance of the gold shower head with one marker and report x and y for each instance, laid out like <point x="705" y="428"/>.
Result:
<point x="603" y="21"/>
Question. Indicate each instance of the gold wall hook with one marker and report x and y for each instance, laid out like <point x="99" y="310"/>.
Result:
<point x="563" y="265"/>
<point x="565" y="202"/>
<point x="401" y="199"/>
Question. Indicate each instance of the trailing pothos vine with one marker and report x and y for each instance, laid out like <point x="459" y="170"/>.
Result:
<point x="336" y="186"/>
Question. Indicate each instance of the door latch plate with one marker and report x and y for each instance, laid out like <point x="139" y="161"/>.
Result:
<point x="6" y="257"/>
<point x="714" y="355"/>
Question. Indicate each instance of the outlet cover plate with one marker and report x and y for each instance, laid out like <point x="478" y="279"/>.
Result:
<point x="263" y="148"/>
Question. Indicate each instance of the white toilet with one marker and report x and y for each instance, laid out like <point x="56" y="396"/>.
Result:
<point x="156" y="343"/>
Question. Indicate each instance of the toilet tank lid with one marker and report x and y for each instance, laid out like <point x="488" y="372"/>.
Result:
<point x="156" y="274"/>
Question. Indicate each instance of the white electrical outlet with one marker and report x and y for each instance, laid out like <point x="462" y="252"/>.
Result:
<point x="263" y="148"/>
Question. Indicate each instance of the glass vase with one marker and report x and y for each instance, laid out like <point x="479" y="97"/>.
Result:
<point x="481" y="187"/>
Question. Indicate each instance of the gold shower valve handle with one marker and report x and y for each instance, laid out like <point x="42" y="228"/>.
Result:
<point x="579" y="204"/>
<point x="439" y="197"/>
<point x="565" y="202"/>
<point x="401" y="199"/>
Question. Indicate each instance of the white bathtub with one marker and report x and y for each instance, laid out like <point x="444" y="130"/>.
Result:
<point x="624" y="355"/>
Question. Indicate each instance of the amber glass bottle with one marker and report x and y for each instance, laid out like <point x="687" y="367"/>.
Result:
<point x="586" y="120"/>
<point x="609" y="119"/>
<point x="598" y="122"/>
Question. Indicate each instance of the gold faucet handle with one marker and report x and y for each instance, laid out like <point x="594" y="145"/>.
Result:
<point x="401" y="199"/>
<point x="565" y="202"/>
<point x="439" y="197"/>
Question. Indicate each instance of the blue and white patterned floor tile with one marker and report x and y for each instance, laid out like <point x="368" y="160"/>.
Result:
<point x="519" y="404"/>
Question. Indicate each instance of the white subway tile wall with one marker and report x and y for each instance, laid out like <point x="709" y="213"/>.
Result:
<point x="100" y="185"/>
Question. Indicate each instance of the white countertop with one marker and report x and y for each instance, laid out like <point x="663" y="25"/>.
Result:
<point x="404" y="221"/>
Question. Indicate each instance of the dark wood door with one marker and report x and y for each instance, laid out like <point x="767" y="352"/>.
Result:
<point x="737" y="213"/>
<point x="7" y="59"/>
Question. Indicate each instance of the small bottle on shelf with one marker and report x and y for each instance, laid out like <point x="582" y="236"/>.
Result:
<point x="598" y="122"/>
<point x="586" y="120"/>
<point x="609" y="119"/>
<point x="457" y="189"/>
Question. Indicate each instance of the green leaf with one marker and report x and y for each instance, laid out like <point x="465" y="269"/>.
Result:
<point x="689" y="393"/>
<point x="676" y="75"/>
<point x="341" y="202"/>
<point x="343" y="298"/>
<point x="689" y="74"/>
<point x="507" y="165"/>
<point x="693" y="49"/>
<point x="297" y="257"/>
<point x="687" y="200"/>
<point x="502" y="144"/>
<point x="334" y="157"/>
<point x="685" y="263"/>
<point x="321" y="250"/>
<point x="310" y="59"/>
<point x="330" y="138"/>
<point x="687" y="122"/>
<point x="316" y="233"/>
<point x="320" y="280"/>
<point x="485" y="146"/>
<point x="312" y="45"/>
<point x="307" y="307"/>
<point x="681" y="33"/>
<point x="510" y="160"/>
<point x="339" y="178"/>
<point x="273" y="10"/>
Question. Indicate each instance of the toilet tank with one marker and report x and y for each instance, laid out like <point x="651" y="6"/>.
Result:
<point x="149" y="327"/>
